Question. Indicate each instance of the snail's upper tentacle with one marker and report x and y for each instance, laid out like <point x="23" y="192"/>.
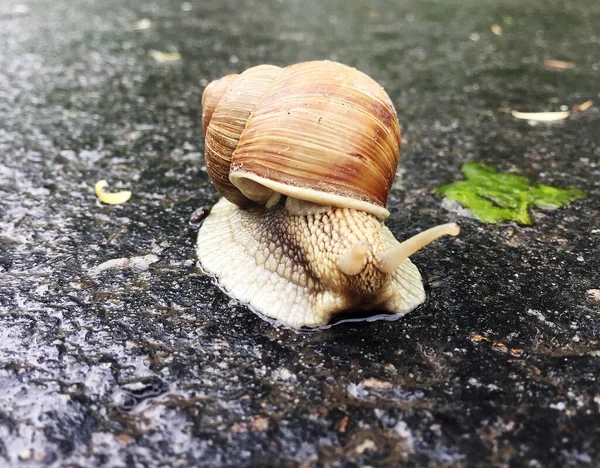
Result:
<point x="389" y="260"/>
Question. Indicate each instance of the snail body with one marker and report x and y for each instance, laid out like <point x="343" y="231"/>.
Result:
<point x="304" y="157"/>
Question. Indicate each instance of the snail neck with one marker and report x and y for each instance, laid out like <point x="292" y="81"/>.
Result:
<point x="304" y="208"/>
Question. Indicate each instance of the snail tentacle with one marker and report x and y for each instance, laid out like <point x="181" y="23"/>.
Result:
<point x="389" y="260"/>
<point x="354" y="260"/>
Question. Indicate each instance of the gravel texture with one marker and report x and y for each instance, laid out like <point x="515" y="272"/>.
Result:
<point x="115" y="349"/>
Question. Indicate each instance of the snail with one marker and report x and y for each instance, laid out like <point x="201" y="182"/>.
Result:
<point x="304" y="157"/>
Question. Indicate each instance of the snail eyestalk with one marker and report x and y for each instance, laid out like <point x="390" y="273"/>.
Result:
<point x="353" y="261"/>
<point x="391" y="259"/>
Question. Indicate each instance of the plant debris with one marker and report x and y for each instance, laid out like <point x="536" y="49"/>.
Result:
<point x="165" y="56"/>
<point x="199" y="215"/>
<point x="366" y="445"/>
<point x="142" y="24"/>
<point x="497" y="345"/>
<point x="496" y="29"/>
<point x="594" y="294"/>
<point x="141" y="263"/>
<point x="375" y="383"/>
<point x="259" y="423"/>
<point x="558" y="65"/>
<point x="541" y="116"/>
<point x="476" y="337"/>
<point x="583" y="106"/>
<point x="342" y="425"/>
<point x="110" y="198"/>
<point x="494" y="197"/>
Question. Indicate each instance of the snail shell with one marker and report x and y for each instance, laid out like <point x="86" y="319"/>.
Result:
<point x="289" y="130"/>
<point x="305" y="157"/>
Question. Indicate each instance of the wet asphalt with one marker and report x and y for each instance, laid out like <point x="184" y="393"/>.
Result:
<point x="152" y="364"/>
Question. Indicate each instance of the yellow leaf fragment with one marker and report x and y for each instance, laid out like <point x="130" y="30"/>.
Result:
<point x="375" y="383"/>
<point x="498" y="346"/>
<point x="110" y="198"/>
<point x="541" y="116"/>
<point x="259" y="423"/>
<point x="496" y="29"/>
<point x="583" y="106"/>
<point x="476" y="337"/>
<point x="558" y="65"/>
<point x="342" y="424"/>
<point x="142" y="24"/>
<point x="125" y="439"/>
<point x="165" y="56"/>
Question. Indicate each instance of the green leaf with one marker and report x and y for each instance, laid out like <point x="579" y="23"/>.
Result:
<point x="549" y="197"/>
<point x="494" y="197"/>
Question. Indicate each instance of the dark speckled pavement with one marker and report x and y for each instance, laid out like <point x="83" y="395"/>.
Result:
<point x="152" y="365"/>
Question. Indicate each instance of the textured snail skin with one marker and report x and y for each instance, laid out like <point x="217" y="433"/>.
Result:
<point x="283" y="261"/>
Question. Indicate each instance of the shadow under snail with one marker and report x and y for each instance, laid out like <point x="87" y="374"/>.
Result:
<point x="304" y="157"/>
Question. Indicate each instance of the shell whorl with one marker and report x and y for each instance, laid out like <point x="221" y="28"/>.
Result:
<point x="212" y="96"/>
<point x="317" y="131"/>
<point x="229" y="103"/>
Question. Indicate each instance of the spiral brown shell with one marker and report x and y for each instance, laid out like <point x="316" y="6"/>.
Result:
<point x="318" y="131"/>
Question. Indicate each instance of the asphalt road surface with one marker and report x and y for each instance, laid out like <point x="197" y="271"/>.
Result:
<point x="147" y="362"/>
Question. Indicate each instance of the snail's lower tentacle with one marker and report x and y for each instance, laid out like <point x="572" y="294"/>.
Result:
<point x="353" y="261"/>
